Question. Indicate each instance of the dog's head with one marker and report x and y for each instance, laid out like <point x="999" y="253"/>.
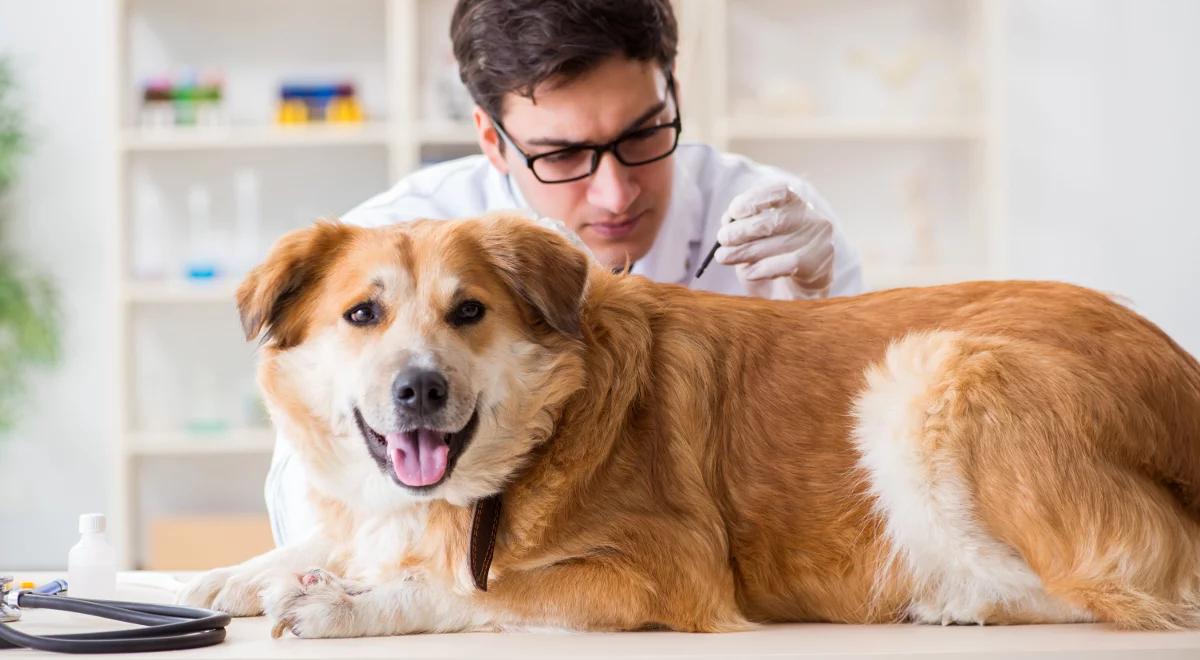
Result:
<point x="434" y="355"/>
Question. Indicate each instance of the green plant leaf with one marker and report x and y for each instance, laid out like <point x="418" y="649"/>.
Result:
<point x="28" y="309"/>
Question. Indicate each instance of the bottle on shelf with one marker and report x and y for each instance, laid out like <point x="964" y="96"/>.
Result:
<point x="203" y="250"/>
<point x="248" y="216"/>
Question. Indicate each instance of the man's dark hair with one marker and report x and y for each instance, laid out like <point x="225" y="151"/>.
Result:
<point x="505" y="46"/>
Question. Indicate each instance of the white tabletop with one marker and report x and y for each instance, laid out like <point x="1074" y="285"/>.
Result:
<point x="250" y="638"/>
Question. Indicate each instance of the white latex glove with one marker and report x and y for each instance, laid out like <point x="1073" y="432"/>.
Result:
<point x="780" y="246"/>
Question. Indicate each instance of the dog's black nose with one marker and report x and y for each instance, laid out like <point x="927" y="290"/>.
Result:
<point x="420" y="391"/>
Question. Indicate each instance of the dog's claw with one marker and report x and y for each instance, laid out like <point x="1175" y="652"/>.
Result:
<point x="277" y="631"/>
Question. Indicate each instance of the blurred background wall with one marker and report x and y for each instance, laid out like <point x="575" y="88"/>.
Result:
<point x="1098" y="108"/>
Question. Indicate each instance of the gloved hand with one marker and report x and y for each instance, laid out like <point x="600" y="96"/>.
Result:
<point x="780" y="246"/>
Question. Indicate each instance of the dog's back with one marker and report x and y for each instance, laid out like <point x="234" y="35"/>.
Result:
<point x="955" y="453"/>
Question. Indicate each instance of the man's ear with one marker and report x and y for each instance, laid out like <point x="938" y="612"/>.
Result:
<point x="490" y="142"/>
<point x="541" y="266"/>
<point x="272" y="300"/>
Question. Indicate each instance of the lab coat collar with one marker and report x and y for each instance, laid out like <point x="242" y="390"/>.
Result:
<point x="669" y="258"/>
<point x="511" y="192"/>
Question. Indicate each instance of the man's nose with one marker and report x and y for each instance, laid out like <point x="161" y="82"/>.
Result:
<point x="420" y="391"/>
<point x="611" y="187"/>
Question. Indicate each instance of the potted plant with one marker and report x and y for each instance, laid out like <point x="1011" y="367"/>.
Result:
<point x="27" y="304"/>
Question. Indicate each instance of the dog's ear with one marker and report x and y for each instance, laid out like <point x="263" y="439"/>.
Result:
<point x="272" y="299"/>
<point x="542" y="267"/>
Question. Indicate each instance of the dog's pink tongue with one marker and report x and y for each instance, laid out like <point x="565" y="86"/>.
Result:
<point x="418" y="457"/>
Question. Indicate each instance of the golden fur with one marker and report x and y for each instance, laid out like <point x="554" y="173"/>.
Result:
<point x="673" y="458"/>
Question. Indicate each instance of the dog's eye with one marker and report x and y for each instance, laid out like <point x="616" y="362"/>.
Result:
<point x="467" y="312"/>
<point x="362" y="314"/>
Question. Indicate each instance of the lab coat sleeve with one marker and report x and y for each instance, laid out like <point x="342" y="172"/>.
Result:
<point x="391" y="207"/>
<point x="286" y="494"/>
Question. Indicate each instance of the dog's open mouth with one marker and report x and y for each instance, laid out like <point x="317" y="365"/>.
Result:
<point x="419" y="459"/>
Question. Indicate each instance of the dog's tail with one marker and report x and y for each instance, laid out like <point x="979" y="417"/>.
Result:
<point x="1177" y="399"/>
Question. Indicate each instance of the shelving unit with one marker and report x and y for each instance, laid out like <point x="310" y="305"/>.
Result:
<point x="156" y="36"/>
<point x="907" y="90"/>
<point x="255" y="137"/>
<point x="179" y="292"/>
<point x="432" y="132"/>
<point x="874" y="165"/>
<point x="233" y="441"/>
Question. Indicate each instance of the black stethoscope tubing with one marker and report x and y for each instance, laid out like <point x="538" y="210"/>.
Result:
<point x="165" y="627"/>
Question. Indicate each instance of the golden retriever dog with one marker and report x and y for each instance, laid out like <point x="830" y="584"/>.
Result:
<point x="991" y="452"/>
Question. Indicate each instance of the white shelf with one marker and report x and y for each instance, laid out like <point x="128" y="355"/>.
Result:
<point x="810" y="128"/>
<point x="182" y="443"/>
<point x="181" y="292"/>
<point x="446" y="132"/>
<point x="255" y="137"/>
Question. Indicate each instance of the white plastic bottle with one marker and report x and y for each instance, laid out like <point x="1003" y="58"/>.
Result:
<point x="204" y="242"/>
<point x="92" y="564"/>
<point x="246" y="250"/>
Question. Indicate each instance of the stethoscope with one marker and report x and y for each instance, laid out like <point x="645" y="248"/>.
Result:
<point x="165" y="627"/>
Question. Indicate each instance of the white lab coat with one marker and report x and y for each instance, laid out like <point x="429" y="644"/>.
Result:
<point x="705" y="182"/>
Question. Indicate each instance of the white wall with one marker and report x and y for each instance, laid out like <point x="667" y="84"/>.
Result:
<point x="59" y="220"/>
<point x="1104" y="137"/>
<point x="1102" y="111"/>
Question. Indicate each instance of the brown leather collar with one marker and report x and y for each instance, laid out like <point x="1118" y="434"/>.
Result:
<point x="484" y="525"/>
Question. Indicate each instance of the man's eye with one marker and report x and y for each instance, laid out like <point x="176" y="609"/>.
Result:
<point x="362" y="314"/>
<point x="467" y="312"/>
<point x="641" y="134"/>
<point x="563" y="156"/>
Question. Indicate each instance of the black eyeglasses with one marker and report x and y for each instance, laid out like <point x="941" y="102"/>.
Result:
<point x="639" y="146"/>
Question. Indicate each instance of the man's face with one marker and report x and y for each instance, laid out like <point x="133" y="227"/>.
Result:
<point x="619" y="209"/>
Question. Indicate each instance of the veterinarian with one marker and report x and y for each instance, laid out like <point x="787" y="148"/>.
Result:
<point x="578" y="118"/>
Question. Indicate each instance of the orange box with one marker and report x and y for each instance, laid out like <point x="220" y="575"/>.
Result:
<point x="203" y="542"/>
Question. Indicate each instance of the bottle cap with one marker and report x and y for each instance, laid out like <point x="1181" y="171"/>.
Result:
<point x="91" y="523"/>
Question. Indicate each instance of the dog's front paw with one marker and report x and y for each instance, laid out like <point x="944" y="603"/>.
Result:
<point x="229" y="590"/>
<point x="315" y="604"/>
